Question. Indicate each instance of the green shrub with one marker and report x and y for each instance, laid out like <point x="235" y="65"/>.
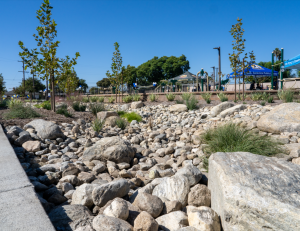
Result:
<point x="132" y="116"/>
<point x="111" y="99"/>
<point x="170" y="97"/>
<point x="206" y="97"/>
<point x="286" y="95"/>
<point x="222" y="97"/>
<point x="127" y="99"/>
<point x="178" y="101"/>
<point x="136" y="97"/>
<point x="97" y="124"/>
<point x="93" y="99"/>
<point x="18" y="111"/>
<point x="14" y="102"/>
<point x="121" y="123"/>
<point x="153" y="97"/>
<point x="256" y="96"/>
<point x="191" y="103"/>
<point x="4" y="103"/>
<point x="101" y="99"/>
<point x="186" y="96"/>
<point x="45" y="105"/>
<point x="120" y="113"/>
<point x="96" y="107"/>
<point x="262" y="103"/>
<point x="240" y="96"/>
<point x="270" y="99"/>
<point x="63" y="110"/>
<point x="265" y="96"/>
<point x="232" y="138"/>
<point x="85" y="99"/>
<point x="78" y="107"/>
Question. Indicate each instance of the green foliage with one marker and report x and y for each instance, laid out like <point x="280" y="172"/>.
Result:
<point x="116" y="67"/>
<point x="132" y="116"/>
<point x="240" y="96"/>
<point x="85" y="99"/>
<point x="186" y="96"/>
<point x="97" y="124"/>
<point x="136" y="97"/>
<point x="170" y="97"/>
<point x="2" y="85"/>
<point x="231" y="138"/>
<point x="121" y="123"/>
<point x="286" y="74"/>
<point x="270" y="99"/>
<point x="111" y="99"/>
<point x="265" y="96"/>
<point x="83" y="84"/>
<point x="256" y="96"/>
<point x="93" y="90"/>
<point x="63" y="110"/>
<point x="222" y="97"/>
<point x="96" y="107"/>
<point x="101" y="99"/>
<point x="105" y="83"/>
<point x="178" y="101"/>
<point x="206" y="97"/>
<point x="78" y="107"/>
<point x="45" y="105"/>
<point x="262" y="103"/>
<point x="38" y="85"/>
<point x="191" y="103"/>
<point x="153" y="97"/>
<point x="121" y="113"/>
<point x="244" y="102"/>
<point x="18" y="111"/>
<point x="14" y="102"/>
<point x="127" y="99"/>
<point x="93" y="99"/>
<point x="4" y="103"/>
<point x="286" y="95"/>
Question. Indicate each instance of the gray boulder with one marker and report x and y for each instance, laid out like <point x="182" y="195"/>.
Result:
<point x="178" y="108"/>
<point x="110" y="148"/>
<point x="253" y="192"/>
<point x="149" y="203"/>
<point x="231" y="110"/>
<point x="138" y="104"/>
<point x="103" y="193"/>
<point x="105" y="114"/>
<point x="83" y="195"/>
<point x="46" y="129"/>
<point x="193" y="174"/>
<point x="173" y="221"/>
<point x="216" y="110"/>
<point x="283" y="118"/>
<point x="106" y="223"/>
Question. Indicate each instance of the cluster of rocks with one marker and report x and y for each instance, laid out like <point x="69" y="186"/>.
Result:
<point x="152" y="176"/>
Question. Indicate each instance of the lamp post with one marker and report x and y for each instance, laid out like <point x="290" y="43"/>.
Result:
<point x="272" y="78"/>
<point x="282" y="69"/>
<point x="202" y="73"/>
<point x="219" y="50"/>
<point x="214" y="76"/>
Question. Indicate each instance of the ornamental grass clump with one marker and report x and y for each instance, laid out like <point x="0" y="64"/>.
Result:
<point x="63" y="110"/>
<point x="93" y="99"/>
<point x="153" y="97"/>
<point x="206" y="97"/>
<point x="132" y="116"/>
<point x="191" y="104"/>
<point x="78" y="107"/>
<point x="18" y="111"/>
<point x="170" y="97"/>
<point x="45" y="105"/>
<point x="96" y="107"/>
<point x="98" y="124"/>
<point x="111" y="99"/>
<point x="286" y="95"/>
<point x="136" y="97"/>
<point x="14" y="102"/>
<point x="85" y="99"/>
<point x="121" y="123"/>
<point x="101" y="99"/>
<point x="186" y="96"/>
<point x="127" y="99"/>
<point x="222" y="97"/>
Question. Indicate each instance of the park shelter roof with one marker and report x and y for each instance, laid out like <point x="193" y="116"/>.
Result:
<point x="255" y="71"/>
<point x="185" y="76"/>
<point x="293" y="63"/>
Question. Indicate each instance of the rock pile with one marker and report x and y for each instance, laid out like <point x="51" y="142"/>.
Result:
<point x="151" y="176"/>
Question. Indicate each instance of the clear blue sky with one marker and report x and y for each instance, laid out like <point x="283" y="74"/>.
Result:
<point x="148" y="28"/>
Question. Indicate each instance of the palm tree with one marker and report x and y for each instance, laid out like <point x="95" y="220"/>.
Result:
<point x="277" y="54"/>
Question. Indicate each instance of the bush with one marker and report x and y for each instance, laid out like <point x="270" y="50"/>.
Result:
<point x="270" y="99"/>
<point x="97" y="124"/>
<point x="120" y="113"/>
<point x="222" y="97"/>
<point x="18" y="111"/>
<point x="192" y="103"/>
<point x="136" y="97"/>
<point x="262" y="103"/>
<point x="85" y="99"/>
<point x="256" y="96"/>
<point x="240" y="96"/>
<point x="121" y="123"/>
<point x="265" y="96"/>
<point x="111" y="99"/>
<point x="96" y="107"/>
<point x="4" y="103"/>
<point x="132" y="116"/>
<point x="63" y="110"/>
<point x="286" y="95"/>
<point x="186" y="96"/>
<point x="231" y="138"/>
<point x="153" y="97"/>
<point x="170" y="97"/>
<point x="93" y="99"/>
<point x="78" y="107"/>
<point x="127" y="99"/>
<point x="206" y="97"/>
<point x="45" y="105"/>
<point x="101" y="99"/>
<point x="14" y="102"/>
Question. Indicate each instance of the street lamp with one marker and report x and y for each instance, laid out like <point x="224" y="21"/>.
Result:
<point x="214" y="76"/>
<point x="219" y="49"/>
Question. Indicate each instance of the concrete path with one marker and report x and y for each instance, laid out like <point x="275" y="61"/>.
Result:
<point x="20" y="209"/>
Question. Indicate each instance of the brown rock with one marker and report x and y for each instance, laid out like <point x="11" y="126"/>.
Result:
<point x="72" y="170"/>
<point x="145" y="222"/>
<point x="199" y="196"/>
<point x="86" y="177"/>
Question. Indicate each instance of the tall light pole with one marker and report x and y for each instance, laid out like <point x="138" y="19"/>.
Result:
<point x="214" y="76"/>
<point x="219" y="49"/>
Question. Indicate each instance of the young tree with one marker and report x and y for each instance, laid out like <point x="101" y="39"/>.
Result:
<point x="2" y="85"/>
<point x="29" y="86"/>
<point x="116" y="67"/>
<point x="104" y="83"/>
<point x="47" y="61"/>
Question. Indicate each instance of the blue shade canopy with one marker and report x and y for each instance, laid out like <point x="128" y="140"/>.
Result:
<point x="293" y="63"/>
<point x="256" y="71"/>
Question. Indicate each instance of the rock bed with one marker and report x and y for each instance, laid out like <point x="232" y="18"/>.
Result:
<point x="149" y="176"/>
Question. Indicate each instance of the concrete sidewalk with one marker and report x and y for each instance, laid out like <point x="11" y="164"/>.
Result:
<point x="20" y="209"/>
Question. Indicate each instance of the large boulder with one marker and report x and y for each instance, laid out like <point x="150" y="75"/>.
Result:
<point x="199" y="196"/>
<point x="70" y="217"/>
<point x="145" y="222"/>
<point x="175" y="188"/>
<point x="103" y="193"/>
<point x="118" y="209"/>
<point x="83" y="195"/>
<point x="105" y="114"/>
<point x="193" y="174"/>
<point x="283" y="118"/>
<point x="45" y="129"/>
<point x="106" y="223"/>
<point x="149" y="203"/>
<point x="253" y="192"/>
<point x="178" y="108"/>
<point x="138" y="104"/>
<point x="32" y="146"/>
<point x="173" y="221"/>
<point x="216" y="110"/>
<point x="231" y="110"/>
<point x="110" y="148"/>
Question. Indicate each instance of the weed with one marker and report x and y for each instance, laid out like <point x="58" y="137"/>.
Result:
<point x="222" y="97"/>
<point x="170" y="97"/>
<point x="127" y="99"/>
<point x="18" y="111"/>
<point x="96" y="107"/>
<point x="136" y="97"/>
<point x="286" y="95"/>
<point x="97" y="124"/>
<point x="111" y="99"/>
<point x="121" y="123"/>
<point x="153" y="97"/>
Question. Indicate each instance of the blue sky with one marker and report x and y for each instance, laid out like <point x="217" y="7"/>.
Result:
<point x="148" y="28"/>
